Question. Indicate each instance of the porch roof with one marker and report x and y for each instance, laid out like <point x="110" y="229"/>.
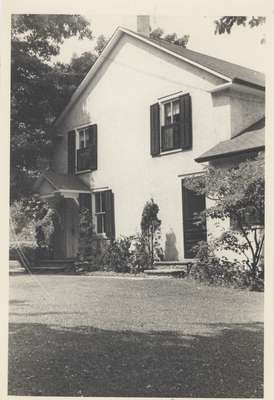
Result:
<point x="61" y="182"/>
<point x="252" y="138"/>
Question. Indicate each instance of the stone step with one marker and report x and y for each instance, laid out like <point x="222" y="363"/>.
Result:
<point x="166" y="271"/>
<point x="178" y="263"/>
<point x="58" y="265"/>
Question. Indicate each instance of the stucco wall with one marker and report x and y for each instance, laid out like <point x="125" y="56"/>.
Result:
<point x="245" y="111"/>
<point x="118" y="100"/>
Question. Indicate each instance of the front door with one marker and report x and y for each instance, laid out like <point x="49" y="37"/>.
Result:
<point x="66" y="229"/>
<point x="193" y="204"/>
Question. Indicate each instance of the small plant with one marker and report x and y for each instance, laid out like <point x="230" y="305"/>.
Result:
<point x="118" y="257"/>
<point x="151" y="229"/>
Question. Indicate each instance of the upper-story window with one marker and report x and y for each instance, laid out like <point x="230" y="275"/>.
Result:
<point x="82" y="149"/>
<point x="171" y="125"/>
<point x="84" y="138"/>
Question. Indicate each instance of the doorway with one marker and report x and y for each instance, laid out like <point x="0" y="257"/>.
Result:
<point x="193" y="204"/>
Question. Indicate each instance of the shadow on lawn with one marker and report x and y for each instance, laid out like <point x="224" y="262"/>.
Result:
<point x="52" y="360"/>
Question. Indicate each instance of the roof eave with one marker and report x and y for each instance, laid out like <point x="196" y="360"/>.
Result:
<point x="100" y="60"/>
<point x="91" y="73"/>
<point x="229" y="154"/>
<point x="108" y="48"/>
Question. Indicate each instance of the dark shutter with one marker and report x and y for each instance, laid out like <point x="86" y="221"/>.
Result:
<point x="193" y="205"/>
<point x="93" y="146"/>
<point x="155" y="129"/>
<point x="185" y="122"/>
<point x="85" y="201"/>
<point x="71" y="153"/>
<point x="110" y="220"/>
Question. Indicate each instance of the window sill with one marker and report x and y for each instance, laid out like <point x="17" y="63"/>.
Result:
<point x="100" y="236"/>
<point x="83" y="172"/>
<point x="162" y="153"/>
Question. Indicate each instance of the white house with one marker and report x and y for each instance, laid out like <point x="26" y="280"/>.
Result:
<point x="145" y="116"/>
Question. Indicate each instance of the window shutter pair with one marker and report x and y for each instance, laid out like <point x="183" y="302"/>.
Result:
<point x="185" y="125"/>
<point x="110" y="218"/>
<point x="92" y="150"/>
<point x="85" y="203"/>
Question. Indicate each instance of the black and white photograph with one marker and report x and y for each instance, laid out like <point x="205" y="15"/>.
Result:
<point x="137" y="202"/>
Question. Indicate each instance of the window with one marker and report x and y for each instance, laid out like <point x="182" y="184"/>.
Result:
<point x="170" y="129"/>
<point x="100" y="212"/>
<point x="82" y="149"/>
<point x="86" y="154"/>
<point x="83" y="138"/>
<point x="171" y="125"/>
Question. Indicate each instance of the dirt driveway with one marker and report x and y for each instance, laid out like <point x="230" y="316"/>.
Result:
<point x="102" y="336"/>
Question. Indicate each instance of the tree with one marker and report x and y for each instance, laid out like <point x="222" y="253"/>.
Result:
<point x="158" y="33"/>
<point x="238" y="194"/>
<point x="100" y="44"/>
<point x="226" y="23"/>
<point x="150" y="227"/>
<point x="39" y="90"/>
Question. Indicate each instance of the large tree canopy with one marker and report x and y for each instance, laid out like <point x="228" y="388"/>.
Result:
<point x="39" y="90"/>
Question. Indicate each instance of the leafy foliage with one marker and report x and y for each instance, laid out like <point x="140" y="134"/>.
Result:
<point x="39" y="90"/>
<point x="127" y="254"/>
<point x="100" y="44"/>
<point x="226" y="23"/>
<point x="32" y="224"/>
<point x="221" y="271"/>
<point x="234" y="191"/>
<point x="151" y="229"/>
<point x="158" y="33"/>
<point x="117" y="256"/>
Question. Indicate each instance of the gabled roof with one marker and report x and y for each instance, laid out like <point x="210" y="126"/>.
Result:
<point x="62" y="182"/>
<point x="233" y="71"/>
<point x="252" y="138"/>
<point x="227" y="71"/>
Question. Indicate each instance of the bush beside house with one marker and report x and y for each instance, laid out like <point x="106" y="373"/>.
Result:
<point x="237" y="195"/>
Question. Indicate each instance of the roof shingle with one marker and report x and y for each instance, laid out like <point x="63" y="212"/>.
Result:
<point x="65" y="182"/>
<point x="233" y="71"/>
<point x="250" y="139"/>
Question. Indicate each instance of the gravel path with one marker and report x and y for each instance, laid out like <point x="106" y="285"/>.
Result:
<point x="101" y="336"/>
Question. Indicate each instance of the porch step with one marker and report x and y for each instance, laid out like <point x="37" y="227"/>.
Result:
<point x="58" y="265"/>
<point x="166" y="271"/>
<point x="171" y="268"/>
<point x="179" y="263"/>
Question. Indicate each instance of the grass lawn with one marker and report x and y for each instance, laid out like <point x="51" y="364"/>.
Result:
<point x="102" y="336"/>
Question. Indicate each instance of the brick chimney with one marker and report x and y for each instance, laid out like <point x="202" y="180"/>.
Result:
<point x="143" y="26"/>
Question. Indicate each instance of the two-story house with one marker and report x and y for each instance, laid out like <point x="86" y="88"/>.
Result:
<point x="145" y="117"/>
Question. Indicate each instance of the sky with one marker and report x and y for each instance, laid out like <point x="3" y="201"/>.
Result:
<point x="243" y="46"/>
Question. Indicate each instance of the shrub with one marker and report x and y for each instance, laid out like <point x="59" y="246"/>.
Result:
<point x="118" y="257"/>
<point x="151" y="230"/>
<point x="221" y="271"/>
<point x="237" y="194"/>
<point x="32" y="221"/>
